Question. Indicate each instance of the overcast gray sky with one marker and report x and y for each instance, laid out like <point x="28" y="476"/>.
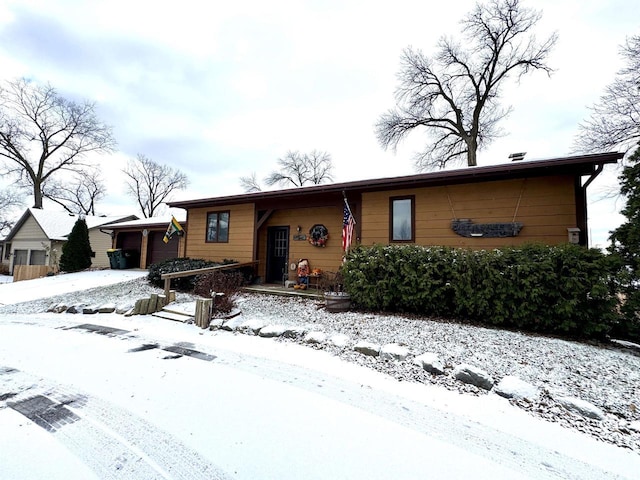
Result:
<point x="223" y="89"/>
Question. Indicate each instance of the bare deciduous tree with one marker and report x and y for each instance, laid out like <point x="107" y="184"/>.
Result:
<point x="302" y="169"/>
<point x="455" y="94"/>
<point x="615" y="119"/>
<point x="250" y="184"/>
<point x="78" y="196"/>
<point x="10" y="199"/>
<point x="151" y="184"/>
<point x="43" y="134"/>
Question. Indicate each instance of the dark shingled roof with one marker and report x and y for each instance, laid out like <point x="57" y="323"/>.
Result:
<point x="575" y="165"/>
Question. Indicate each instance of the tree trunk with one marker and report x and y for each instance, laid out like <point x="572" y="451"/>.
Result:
<point x="37" y="195"/>
<point x="472" y="148"/>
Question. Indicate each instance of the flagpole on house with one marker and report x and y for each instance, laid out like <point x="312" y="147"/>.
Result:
<point x="346" y="202"/>
<point x="173" y="228"/>
<point x="348" y="227"/>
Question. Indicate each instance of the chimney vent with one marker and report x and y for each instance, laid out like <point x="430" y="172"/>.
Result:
<point x="517" y="156"/>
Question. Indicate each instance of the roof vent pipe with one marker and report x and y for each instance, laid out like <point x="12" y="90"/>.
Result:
<point x="517" y="156"/>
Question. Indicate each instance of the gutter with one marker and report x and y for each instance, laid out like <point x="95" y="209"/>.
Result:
<point x="593" y="176"/>
<point x="112" y="234"/>
<point x="583" y="203"/>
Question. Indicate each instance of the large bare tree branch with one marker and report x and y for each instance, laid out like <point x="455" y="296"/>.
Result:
<point x="43" y="134"/>
<point x="251" y="183"/>
<point x="615" y="120"/>
<point x="302" y="169"/>
<point x="78" y="196"/>
<point x="151" y="184"/>
<point x="454" y="95"/>
<point x="10" y="199"/>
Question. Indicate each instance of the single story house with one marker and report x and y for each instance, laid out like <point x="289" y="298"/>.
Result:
<point x="480" y="207"/>
<point x="142" y="240"/>
<point x="4" y="256"/>
<point x="38" y="236"/>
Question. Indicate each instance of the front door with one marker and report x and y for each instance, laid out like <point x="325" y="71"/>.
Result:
<point x="277" y="254"/>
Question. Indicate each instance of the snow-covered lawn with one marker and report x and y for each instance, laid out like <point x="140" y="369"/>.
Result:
<point x="272" y="408"/>
<point x="31" y="290"/>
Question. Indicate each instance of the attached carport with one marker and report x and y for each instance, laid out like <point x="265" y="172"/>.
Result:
<point x="142" y="241"/>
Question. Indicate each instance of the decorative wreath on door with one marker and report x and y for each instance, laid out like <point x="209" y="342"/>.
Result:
<point x="318" y="235"/>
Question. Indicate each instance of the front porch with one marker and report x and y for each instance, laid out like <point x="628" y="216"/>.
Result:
<point x="278" y="289"/>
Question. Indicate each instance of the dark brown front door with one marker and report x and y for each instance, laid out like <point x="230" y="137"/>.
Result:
<point x="277" y="254"/>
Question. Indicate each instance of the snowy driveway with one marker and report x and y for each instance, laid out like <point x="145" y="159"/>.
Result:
<point x="147" y="398"/>
<point x="27" y="290"/>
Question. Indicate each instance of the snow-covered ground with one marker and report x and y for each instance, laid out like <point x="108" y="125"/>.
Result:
<point x="603" y="375"/>
<point x="37" y="289"/>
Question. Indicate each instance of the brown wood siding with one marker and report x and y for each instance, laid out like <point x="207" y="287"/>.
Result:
<point x="241" y="228"/>
<point x="546" y="207"/>
<point x="326" y="258"/>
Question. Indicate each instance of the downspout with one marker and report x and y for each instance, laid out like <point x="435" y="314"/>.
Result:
<point x="593" y="176"/>
<point x="111" y="233"/>
<point x="583" y="194"/>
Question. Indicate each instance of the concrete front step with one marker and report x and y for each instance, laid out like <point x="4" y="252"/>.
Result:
<point x="186" y="308"/>
<point x="179" y="312"/>
<point x="176" y="317"/>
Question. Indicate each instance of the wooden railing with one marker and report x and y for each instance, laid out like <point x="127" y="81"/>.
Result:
<point x="198" y="271"/>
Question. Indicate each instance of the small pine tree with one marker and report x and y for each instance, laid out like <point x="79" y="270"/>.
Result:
<point x="76" y="252"/>
<point x="625" y="244"/>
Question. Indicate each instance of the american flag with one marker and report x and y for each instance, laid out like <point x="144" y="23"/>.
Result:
<point x="348" y="224"/>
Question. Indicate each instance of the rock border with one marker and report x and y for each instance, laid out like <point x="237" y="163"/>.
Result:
<point x="571" y="411"/>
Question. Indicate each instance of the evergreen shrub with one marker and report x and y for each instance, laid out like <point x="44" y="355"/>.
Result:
<point x="76" y="251"/>
<point x="625" y="247"/>
<point x="563" y="290"/>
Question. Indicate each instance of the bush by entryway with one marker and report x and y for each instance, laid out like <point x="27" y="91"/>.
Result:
<point x="562" y="290"/>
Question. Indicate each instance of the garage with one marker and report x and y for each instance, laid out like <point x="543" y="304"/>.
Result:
<point x="131" y="244"/>
<point x="141" y="241"/>
<point x="157" y="250"/>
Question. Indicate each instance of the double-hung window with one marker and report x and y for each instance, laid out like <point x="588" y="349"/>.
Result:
<point x="402" y="219"/>
<point x="218" y="227"/>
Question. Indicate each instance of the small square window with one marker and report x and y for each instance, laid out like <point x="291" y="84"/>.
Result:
<point x="402" y="219"/>
<point x="218" y="227"/>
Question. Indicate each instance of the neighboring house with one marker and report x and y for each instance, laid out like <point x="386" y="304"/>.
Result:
<point x="38" y="236"/>
<point x="481" y="207"/>
<point x="5" y="250"/>
<point x="142" y="242"/>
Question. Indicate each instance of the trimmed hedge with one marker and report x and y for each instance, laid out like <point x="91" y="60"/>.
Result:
<point x="562" y="290"/>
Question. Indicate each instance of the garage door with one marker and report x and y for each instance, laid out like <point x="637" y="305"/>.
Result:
<point x="37" y="257"/>
<point x="158" y="250"/>
<point x="130" y="242"/>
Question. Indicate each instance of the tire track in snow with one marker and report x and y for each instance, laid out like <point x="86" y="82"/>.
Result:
<point x="110" y="440"/>
<point x="535" y="460"/>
